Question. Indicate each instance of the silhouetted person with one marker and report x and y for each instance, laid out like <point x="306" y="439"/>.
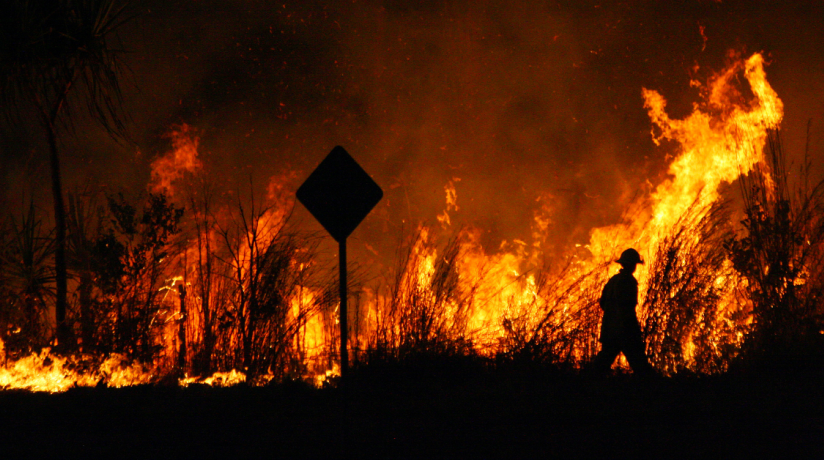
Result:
<point x="620" y="331"/>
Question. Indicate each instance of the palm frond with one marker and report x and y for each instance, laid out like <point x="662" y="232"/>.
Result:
<point x="51" y="49"/>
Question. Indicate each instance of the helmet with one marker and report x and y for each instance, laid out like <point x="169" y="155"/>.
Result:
<point x="630" y="256"/>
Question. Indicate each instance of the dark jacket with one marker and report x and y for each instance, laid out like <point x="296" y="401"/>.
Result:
<point x="618" y="300"/>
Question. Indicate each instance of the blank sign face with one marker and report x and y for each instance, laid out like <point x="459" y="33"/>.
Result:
<point x="339" y="194"/>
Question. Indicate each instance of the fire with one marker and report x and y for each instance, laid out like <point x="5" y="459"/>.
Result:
<point x="495" y="302"/>
<point x="218" y="379"/>
<point x="45" y="372"/>
<point x="181" y="160"/>
<point x="720" y="140"/>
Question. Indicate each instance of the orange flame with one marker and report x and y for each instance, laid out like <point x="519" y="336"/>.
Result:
<point x="45" y="372"/>
<point x="718" y="142"/>
<point x="181" y="160"/>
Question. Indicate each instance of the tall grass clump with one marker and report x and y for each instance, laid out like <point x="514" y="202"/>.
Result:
<point x="426" y="306"/>
<point x="780" y="254"/>
<point x="249" y="289"/>
<point x="691" y="323"/>
<point x="558" y="323"/>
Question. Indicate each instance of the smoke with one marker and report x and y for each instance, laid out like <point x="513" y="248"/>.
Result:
<point x="534" y="106"/>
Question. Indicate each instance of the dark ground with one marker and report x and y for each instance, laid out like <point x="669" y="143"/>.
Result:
<point x="443" y="412"/>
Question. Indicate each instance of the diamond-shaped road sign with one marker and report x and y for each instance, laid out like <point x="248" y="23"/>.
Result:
<point x="339" y="194"/>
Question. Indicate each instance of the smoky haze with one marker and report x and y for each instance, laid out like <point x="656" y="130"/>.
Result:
<point x="528" y="104"/>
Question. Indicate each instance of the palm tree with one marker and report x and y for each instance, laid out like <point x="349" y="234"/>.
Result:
<point x="29" y="277"/>
<point x="55" y="58"/>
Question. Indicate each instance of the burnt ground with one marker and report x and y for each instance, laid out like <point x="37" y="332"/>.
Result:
<point x="439" y="412"/>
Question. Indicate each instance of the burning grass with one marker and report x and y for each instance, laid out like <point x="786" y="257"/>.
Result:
<point x="691" y="322"/>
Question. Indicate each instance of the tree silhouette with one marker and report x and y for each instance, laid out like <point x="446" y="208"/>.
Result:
<point x="55" y="58"/>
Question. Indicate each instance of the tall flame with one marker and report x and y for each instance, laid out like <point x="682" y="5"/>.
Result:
<point x="718" y="142"/>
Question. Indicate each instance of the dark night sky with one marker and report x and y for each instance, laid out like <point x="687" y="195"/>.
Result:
<point x="518" y="99"/>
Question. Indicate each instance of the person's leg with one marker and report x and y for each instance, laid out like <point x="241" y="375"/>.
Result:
<point x="636" y="354"/>
<point x="603" y="361"/>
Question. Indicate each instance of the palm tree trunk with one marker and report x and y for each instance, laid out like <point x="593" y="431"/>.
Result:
<point x="49" y="117"/>
<point x="60" y="240"/>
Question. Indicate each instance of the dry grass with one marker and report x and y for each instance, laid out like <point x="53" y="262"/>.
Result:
<point x="686" y="322"/>
<point x="781" y="255"/>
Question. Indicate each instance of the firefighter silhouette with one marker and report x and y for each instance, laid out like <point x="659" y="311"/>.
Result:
<point x="620" y="331"/>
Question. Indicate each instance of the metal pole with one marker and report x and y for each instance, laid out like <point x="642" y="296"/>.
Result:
<point x="344" y="354"/>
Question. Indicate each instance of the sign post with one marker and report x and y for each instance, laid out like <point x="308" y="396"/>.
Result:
<point x="343" y="311"/>
<point x="339" y="194"/>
